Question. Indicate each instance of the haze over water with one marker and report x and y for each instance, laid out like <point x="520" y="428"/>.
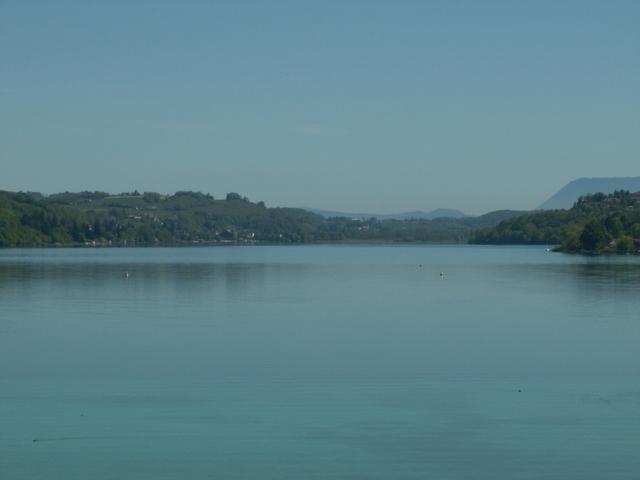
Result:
<point x="318" y="362"/>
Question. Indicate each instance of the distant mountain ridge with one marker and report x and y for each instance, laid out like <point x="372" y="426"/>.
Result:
<point x="417" y="214"/>
<point x="567" y="195"/>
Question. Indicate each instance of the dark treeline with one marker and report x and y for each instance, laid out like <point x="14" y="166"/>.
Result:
<point x="596" y="223"/>
<point x="149" y="218"/>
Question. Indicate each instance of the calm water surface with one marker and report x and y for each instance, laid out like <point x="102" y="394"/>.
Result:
<point x="356" y="362"/>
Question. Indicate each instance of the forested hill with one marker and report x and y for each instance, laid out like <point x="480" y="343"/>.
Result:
<point x="99" y="218"/>
<point x="572" y="191"/>
<point x="596" y="223"/>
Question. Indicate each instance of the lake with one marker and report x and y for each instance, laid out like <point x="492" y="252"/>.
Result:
<point x="316" y="362"/>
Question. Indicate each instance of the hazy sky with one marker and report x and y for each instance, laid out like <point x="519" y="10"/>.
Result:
<point x="345" y="105"/>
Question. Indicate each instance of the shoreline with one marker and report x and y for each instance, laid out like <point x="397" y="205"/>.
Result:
<point x="227" y="244"/>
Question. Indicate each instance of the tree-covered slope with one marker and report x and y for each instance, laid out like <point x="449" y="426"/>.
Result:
<point x="28" y="219"/>
<point x="596" y="223"/>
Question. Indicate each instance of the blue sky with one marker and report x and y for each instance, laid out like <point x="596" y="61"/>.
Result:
<point x="346" y="105"/>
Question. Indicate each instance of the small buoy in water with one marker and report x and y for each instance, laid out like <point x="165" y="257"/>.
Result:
<point x="548" y="250"/>
<point x="35" y="440"/>
<point x="519" y="390"/>
<point x="125" y="274"/>
<point x="441" y="274"/>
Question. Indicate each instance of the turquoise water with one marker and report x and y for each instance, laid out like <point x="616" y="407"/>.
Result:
<point x="356" y="362"/>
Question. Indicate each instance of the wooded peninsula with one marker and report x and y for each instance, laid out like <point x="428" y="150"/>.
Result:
<point x="597" y="223"/>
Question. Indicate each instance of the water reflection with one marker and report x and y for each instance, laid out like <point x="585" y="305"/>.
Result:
<point x="348" y="361"/>
<point x="322" y="312"/>
<point x="183" y="279"/>
<point x="588" y="280"/>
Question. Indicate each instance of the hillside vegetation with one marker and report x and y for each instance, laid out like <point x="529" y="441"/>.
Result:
<point x="99" y="218"/>
<point x="572" y="191"/>
<point x="596" y="223"/>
